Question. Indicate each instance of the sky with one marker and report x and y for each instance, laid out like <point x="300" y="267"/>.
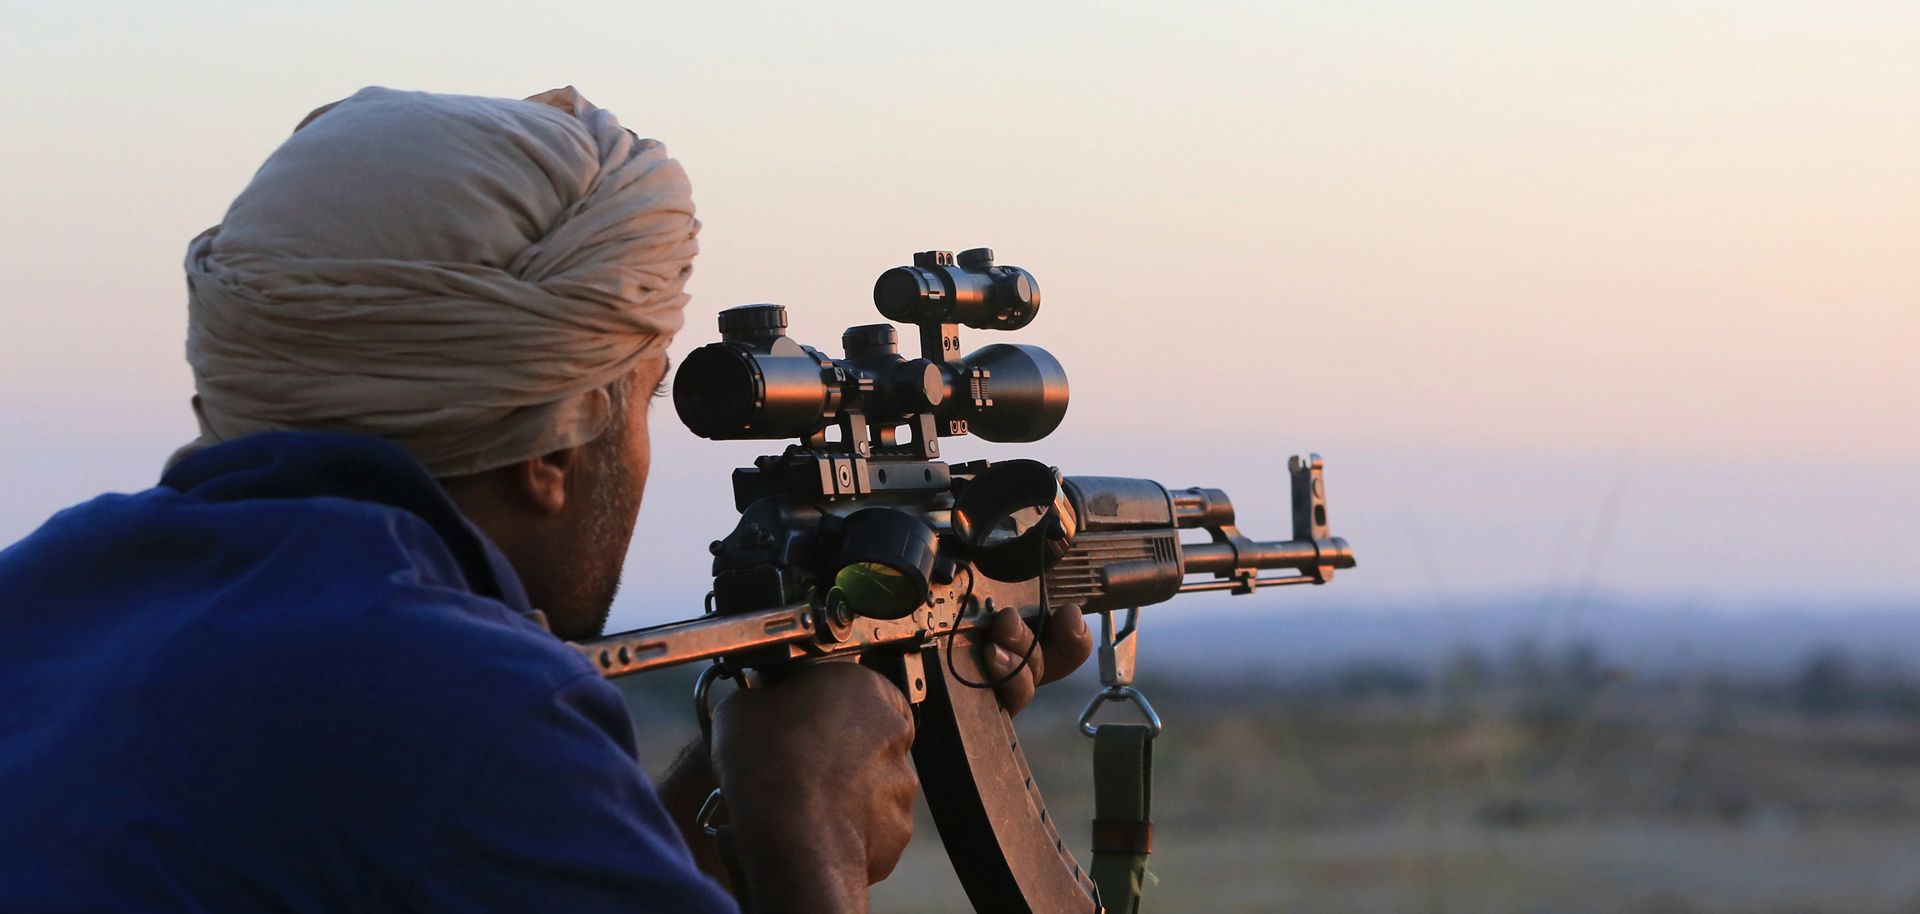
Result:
<point x="1588" y="301"/>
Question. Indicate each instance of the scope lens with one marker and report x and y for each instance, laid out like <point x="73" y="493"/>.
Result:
<point x="884" y="559"/>
<point x="876" y="591"/>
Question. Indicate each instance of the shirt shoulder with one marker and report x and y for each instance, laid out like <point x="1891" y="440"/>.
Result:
<point x="296" y="692"/>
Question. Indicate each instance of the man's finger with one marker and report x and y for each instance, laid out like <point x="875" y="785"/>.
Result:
<point x="1011" y="632"/>
<point x="1015" y="688"/>
<point x="1066" y="643"/>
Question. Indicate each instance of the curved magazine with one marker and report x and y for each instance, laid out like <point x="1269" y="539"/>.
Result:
<point x="1005" y="846"/>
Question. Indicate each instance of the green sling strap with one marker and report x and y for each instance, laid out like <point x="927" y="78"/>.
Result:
<point x="1122" y="822"/>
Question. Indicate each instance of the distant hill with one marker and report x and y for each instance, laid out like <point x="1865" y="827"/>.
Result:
<point x="1274" y="641"/>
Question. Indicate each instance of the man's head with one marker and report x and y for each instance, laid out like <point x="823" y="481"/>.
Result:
<point x="489" y="283"/>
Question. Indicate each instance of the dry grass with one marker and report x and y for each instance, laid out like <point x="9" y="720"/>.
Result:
<point x="1636" y="804"/>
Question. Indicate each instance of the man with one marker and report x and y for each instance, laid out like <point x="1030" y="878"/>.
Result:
<point x="305" y="672"/>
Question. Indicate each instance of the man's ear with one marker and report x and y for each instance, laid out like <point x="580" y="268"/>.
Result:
<point x="542" y="480"/>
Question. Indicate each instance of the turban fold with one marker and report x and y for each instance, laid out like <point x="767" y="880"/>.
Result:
<point x="462" y="276"/>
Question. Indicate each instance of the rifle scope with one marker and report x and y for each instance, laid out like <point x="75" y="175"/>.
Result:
<point x="759" y="383"/>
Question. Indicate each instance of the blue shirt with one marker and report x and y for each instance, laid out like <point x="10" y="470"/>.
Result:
<point x="293" y="678"/>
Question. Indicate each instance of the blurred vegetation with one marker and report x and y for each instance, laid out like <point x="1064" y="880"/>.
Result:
<point x="1543" y="781"/>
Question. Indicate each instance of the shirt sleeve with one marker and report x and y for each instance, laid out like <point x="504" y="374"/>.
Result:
<point x="559" y="817"/>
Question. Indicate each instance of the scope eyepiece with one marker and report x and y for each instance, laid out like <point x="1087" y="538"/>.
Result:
<point x="969" y="289"/>
<point x="754" y="383"/>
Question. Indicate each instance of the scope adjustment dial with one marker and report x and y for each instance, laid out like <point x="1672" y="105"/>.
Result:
<point x="753" y="323"/>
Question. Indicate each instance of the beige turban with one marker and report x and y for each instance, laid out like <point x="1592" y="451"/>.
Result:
<point x="462" y="276"/>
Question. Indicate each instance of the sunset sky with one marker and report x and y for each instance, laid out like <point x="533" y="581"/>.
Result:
<point x="1618" y="299"/>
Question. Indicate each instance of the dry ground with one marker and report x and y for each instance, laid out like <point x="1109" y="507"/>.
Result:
<point x="1647" y="802"/>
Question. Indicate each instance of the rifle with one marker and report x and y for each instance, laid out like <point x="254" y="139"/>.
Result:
<point x="857" y="541"/>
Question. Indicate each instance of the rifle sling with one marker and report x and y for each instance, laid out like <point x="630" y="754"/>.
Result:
<point x="1122" y="823"/>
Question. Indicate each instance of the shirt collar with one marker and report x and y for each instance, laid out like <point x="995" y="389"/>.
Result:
<point x="357" y="467"/>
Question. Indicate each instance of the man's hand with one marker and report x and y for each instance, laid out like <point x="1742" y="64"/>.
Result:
<point x="818" y="786"/>
<point x="1065" y="645"/>
<point x="823" y="755"/>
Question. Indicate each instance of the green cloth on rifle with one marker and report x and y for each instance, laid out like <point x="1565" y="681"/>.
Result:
<point x="1122" y="806"/>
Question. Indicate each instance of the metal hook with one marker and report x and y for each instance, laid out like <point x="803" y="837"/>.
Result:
<point x="1119" y="693"/>
<point x="702" y="709"/>
<point x="1118" y="647"/>
<point x="703" y="820"/>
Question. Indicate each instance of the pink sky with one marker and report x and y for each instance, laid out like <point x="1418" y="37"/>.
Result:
<point x="1495" y="261"/>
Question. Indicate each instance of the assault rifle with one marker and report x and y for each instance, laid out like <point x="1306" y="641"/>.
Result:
<point x="856" y="540"/>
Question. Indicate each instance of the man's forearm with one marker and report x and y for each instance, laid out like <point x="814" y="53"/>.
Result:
<point x="791" y="868"/>
<point x="814" y="861"/>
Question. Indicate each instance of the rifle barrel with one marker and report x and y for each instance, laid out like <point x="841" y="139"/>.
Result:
<point x="1302" y="555"/>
